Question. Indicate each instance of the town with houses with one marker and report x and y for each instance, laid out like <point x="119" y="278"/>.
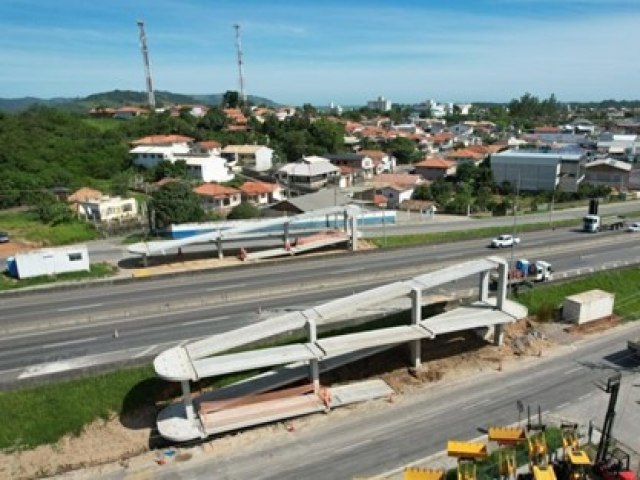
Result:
<point x="543" y="159"/>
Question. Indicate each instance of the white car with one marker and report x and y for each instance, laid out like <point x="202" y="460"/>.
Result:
<point x="633" y="227"/>
<point x="505" y="241"/>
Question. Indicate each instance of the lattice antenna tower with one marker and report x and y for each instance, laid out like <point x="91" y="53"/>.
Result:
<point x="151" y="98"/>
<point x="243" y="95"/>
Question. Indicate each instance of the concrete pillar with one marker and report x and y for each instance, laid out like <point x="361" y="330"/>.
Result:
<point x="354" y="233"/>
<point x="483" y="288"/>
<point x="219" y="242"/>
<point x="186" y="398"/>
<point x="314" y="367"/>
<point x="501" y="293"/>
<point x="286" y="232"/>
<point x="498" y="335"/>
<point x="145" y="260"/>
<point x="415" y="347"/>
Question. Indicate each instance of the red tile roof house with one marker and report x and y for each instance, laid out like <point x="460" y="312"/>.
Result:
<point x="435" y="167"/>
<point x="466" y="155"/>
<point x="397" y="187"/>
<point x="260" y="193"/>
<point x="218" y="198"/>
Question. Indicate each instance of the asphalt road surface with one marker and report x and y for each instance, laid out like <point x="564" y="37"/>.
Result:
<point x="53" y="331"/>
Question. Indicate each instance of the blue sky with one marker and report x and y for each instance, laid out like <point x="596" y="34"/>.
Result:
<point x="348" y="52"/>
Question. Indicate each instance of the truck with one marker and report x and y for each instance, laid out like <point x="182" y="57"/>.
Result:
<point x="595" y="223"/>
<point x="526" y="273"/>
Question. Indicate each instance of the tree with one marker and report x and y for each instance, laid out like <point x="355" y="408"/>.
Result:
<point x="441" y="192"/>
<point x="52" y="211"/>
<point x="244" y="210"/>
<point x="231" y="99"/>
<point x="403" y="149"/>
<point x="175" y="202"/>
<point x="215" y="120"/>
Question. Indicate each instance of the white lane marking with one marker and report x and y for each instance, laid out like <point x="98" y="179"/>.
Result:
<point x="225" y="287"/>
<point x="584" y="397"/>
<point x="204" y="320"/>
<point x="353" y="446"/>
<point x="562" y="405"/>
<point x="475" y="404"/>
<point x="69" y="342"/>
<point x="80" y="307"/>
<point x="347" y="270"/>
<point x="573" y="370"/>
<point x="145" y="351"/>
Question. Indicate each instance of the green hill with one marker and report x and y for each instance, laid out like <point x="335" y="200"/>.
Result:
<point x="119" y="98"/>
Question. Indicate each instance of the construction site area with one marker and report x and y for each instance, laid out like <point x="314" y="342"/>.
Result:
<point x="455" y="342"/>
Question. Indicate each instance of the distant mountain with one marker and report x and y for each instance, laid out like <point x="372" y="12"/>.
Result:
<point x="119" y="98"/>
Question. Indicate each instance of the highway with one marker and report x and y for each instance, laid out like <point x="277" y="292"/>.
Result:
<point x="65" y="325"/>
<point x="375" y="440"/>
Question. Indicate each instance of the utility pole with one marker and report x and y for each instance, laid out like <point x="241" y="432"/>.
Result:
<point x="243" y="96"/>
<point x="151" y="99"/>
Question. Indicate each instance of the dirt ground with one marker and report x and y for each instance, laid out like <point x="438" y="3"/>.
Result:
<point x="446" y="357"/>
<point x="11" y="248"/>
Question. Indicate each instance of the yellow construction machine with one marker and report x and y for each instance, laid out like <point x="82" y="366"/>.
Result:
<point x="575" y="462"/>
<point x="467" y="453"/>
<point x="539" y="465"/>
<point x="508" y="439"/>
<point x="416" y="473"/>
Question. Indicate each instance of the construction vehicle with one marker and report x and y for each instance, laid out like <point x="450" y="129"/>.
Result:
<point x="417" y="473"/>
<point x="539" y="466"/>
<point x="508" y="439"/>
<point x="612" y="464"/>
<point x="575" y="463"/>
<point x="592" y="222"/>
<point x="467" y="453"/>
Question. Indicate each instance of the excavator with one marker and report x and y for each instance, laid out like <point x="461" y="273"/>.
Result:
<point x="612" y="464"/>
<point x="467" y="453"/>
<point x="508" y="438"/>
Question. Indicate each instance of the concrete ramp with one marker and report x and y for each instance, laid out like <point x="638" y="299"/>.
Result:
<point x="206" y="357"/>
<point x="302" y="245"/>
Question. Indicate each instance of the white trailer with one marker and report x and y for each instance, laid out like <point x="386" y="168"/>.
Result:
<point x="49" y="261"/>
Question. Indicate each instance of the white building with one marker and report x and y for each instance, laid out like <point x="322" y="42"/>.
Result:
<point x="533" y="170"/>
<point x="252" y="157"/>
<point x="49" y="261"/>
<point x="381" y="104"/>
<point x="308" y="174"/>
<point x="203" y="163"/>
<point x="108" y="209"/>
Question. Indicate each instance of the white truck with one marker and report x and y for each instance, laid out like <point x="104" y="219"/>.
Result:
<point x="595" y="223"/>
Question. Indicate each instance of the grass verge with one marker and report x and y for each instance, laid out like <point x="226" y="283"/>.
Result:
<point x="27" y="227"/>
<point x="470" y="234"/>
<point x="98" y="270"/>
<point x="544" y="300"/>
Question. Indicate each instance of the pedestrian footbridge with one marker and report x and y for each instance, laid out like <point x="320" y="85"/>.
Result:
<point x="248" y="404"/>
<point x="349" y="214"/>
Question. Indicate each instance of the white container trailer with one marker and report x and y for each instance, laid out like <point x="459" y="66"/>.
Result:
<point x="49" y="261"/>
<point x="588" y="306"/>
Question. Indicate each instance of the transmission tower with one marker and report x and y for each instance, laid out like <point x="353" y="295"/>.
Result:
<point x="151" y="98"/>
<point x="243" y="96"/>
